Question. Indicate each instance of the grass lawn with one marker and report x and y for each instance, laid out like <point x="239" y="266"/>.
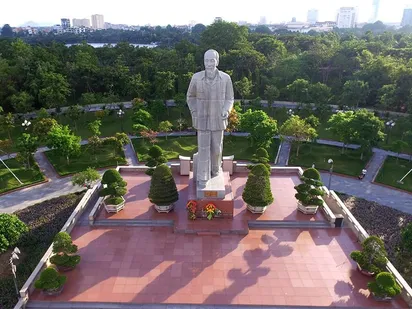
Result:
<point x="27" y="177"/>
<point x="105" y="156"/>
<point x="187" y="146"/>
<point x="393" y="170"/>
<point x="348" y="163"/>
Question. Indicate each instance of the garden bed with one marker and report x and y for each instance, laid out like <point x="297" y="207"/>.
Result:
<point x="27" y="177"/>
<point x="187" y="146"/>
<point x="44" y="220"/>
<point x="104" y="156"/>
<point x="393" y="170"/>
<point x="348" y="163"/>
<point x="382" y="221"/>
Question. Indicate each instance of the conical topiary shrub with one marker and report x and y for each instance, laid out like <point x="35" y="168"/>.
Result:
<point x="163" y="191"/>
<point x="257" y="193"/>
<point x="113" y="185"/>
<point x="309" y="191"/>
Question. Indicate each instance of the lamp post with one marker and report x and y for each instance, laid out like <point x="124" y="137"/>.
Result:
<point x="120" y="113"/>
<point x="26" y="124"/>
<point x="14" y="256"/>
<point x="389" y="124"/>
<point x="290" y="112"/>
<point x="330" y="161"/>
<point x="401" y="180"/>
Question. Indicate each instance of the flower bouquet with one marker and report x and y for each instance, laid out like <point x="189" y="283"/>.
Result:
<point x="211" y="211"/>
<point x="191" y="209"/>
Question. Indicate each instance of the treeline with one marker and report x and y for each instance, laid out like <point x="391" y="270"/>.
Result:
<point x="371" y="70"/>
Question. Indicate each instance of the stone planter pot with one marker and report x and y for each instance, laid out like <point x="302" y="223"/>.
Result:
<point x="165" y="209"/>
<point x="365" y="272"/>
<point x="53" y="292"/>
<point x="381" y="299"/>
<point x="114" y="208"/>
<point x="65" y="268"/>
<point x="307" y="210"/>
<point x="256" y="209"/>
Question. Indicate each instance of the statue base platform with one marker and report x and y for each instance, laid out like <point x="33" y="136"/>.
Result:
<point x="217" y="191"/>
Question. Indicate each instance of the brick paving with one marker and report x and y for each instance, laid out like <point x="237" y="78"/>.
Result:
<point x="153" y="265"/>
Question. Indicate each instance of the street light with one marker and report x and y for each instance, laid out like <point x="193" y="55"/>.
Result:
<point x="330" y="161"/>
<point x="26" y="124"/>
<point x="401" y="181"/>
<point x="390" y="124"/>
<point x="290" y="112"/>
<point x="14" y="256"/>
<point x="120" y="113"/>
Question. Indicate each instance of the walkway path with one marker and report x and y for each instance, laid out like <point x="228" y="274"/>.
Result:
<point x="130" y="154"/>
<point x="284" y="154"/>
<point x="371" y="192"/>
<point x="45" y="166"/>
<point x="374" y="165"/>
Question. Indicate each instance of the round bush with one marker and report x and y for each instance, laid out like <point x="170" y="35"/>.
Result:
<point x="312" y="173"/>
<point x="11" y="229"/>
<point x="309" y="191"/>
<point x="163" y="190"/>
<point x="50" y="279"/>
<point x="155" y="151"/>
<point x="111" y="176"/>
<point x="257" y="192"/>
<point x="385" y="285"/>
<point x="116" y="186"/>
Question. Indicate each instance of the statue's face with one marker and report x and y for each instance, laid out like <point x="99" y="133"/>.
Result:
<point x="210" y="61"/>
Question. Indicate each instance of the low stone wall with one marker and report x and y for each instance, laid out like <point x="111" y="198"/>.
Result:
<point x="89" y="197"/>
<point x="361" y="234"/>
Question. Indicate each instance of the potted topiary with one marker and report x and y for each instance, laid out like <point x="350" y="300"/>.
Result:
<point x="261" y="156"/>
<point x="115" y="187"/>
<point x="156" y="157"/>
<point x="64" y="252"/>
<point x="163" y="192"/>
<point x="50" y="281"/>
<point x="372" y="259"/>
<point x="257" y="194"/>
<point x="384" y="288"/>
<point x="309" y="192"/>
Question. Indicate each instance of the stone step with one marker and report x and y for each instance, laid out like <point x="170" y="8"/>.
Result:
<point x="132" y="222"/>
<point x="202" y="232"/>
<point x="273" y="224"/>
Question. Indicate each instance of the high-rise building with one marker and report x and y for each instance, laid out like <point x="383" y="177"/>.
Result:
<point x="407" y="17"/>
<point x="347" y="17"/>
<point x="83" y="22"/>
<point x="313" y="16"/>
<point x="65" y="23"/>
<point x="375" y="11"/>
<point x="97" y="21"/>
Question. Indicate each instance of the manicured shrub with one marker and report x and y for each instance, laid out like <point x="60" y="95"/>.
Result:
<point x="261" y="156"/>
<point x="116" y="186"/>
<point x="372" y="258"/>
<point x="257" y="192"/>
<point x="156" y="157"/>
<point x="50" y="280"/>
<point x="309" y="191"/>
<point x="163" y="191"/>
<point x="11" y="229"/>
<point x="64" y="250"/>
<point x="384" y="286"/>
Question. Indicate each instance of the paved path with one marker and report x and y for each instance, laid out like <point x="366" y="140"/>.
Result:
<point x="374" y="165"/>
<point x="371" y="192"/>
<point x="131" y="157"/>
<point x="284" y="154"/>
<point x="45" y="166"/>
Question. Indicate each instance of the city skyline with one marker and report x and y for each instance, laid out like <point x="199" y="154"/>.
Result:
<point x="149" y="13"/>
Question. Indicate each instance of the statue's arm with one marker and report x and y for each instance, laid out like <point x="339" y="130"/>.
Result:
<point x="229" y="98"/>
<point x="191" y="96"/>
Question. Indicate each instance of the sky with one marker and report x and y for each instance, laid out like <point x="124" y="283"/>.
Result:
<point x="180" y="12"/>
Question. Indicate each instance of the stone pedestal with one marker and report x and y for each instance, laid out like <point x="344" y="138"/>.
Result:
<point x="213" y="193"/>
<point x="228" y="164"/>
<point x="184" y="165"/>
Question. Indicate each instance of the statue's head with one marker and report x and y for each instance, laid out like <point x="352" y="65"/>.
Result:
<point x="211" y="60"/>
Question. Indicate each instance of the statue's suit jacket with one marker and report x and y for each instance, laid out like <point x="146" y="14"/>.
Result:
<point x="208" y="100"/>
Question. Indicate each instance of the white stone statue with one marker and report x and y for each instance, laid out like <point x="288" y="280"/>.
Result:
<point x="210" y="99"/>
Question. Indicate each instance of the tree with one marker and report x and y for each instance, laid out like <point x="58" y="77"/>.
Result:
<point x="64" y="141"/>
<point x="55" y="90"/>
<point x="86" y="178"/>
<point x="233" y="121"/>
<point x="94" y="142"/>
<point x="367" y="129"/>
<point x="354" y="93"/>
<point x="164" y="84"/>
<point x="309" y="192"/>
<point x="94" y="127"/>
<point x="165" y="126"/>
<point x="313" y="121"/>
<point x="261" y="127"/>
<point x="22" y="102"/>
<point x="7" y="31"/>
<point x="163" y="190"/>
<point x="88" y="99"/>
<point x="224" y="36"/>
<point x="297" y="130"/>
<point x="6" y="147"/>
<point x="7" y="124"/>
<point x="257" y="192"/>
<point x="150" y="135"/>
<point x="42" y="114"/>
<point x="243" y="87"/>
<point x="340" y="125"/>
<point x="142" y="117"/>
<point x="115" y="187"/>
<point x="11" y="230"/>
<point x="27" y="145"/>
<point x="156" y="108"/>
<point x="299" y="91"/>
<point x="399" y="146"/>
<point x="319" y="93"/>
<point x="271" y="94"/>
<point x="42" y="127"/>
<point x="271" y="48"/>
<point x="121" y="139"/>
<point x="74" y="112"/>
<point x="387" y="96"/>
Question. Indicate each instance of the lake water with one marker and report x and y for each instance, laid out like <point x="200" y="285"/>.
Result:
<point x="98" y="45"/>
